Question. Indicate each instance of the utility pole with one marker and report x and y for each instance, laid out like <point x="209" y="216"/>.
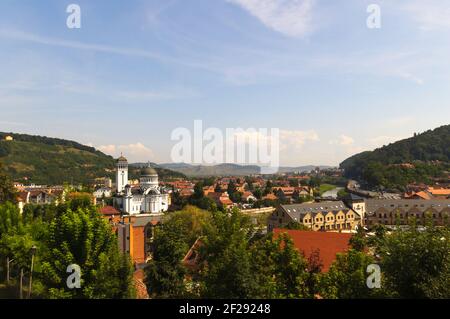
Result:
<point x="8" y="262"/>
<point x="33" y="252"/>
<point x="21" y="285"/>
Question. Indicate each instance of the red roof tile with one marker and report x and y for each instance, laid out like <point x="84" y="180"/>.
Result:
<point x="109" y="210"/>
<point x="328" y="244"/>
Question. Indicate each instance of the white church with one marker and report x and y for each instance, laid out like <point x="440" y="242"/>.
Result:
<point x="146" y="198"/>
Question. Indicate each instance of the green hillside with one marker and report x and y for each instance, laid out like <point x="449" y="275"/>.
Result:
<point x="50" y="161"/>
<point x="44" y="160"/>
<point x="428" y="153"/>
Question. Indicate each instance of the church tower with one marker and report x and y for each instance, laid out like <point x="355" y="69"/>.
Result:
<point x="121" y="174"/>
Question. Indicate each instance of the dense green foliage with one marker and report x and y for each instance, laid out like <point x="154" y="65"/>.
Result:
<point x="64" y="237"/>
<point x="416" y="264"/>
<point x="6" y="188"/>
<point x="165" y="274"/>
<point x="429" y="153"/>
<point x="235" y="261"/>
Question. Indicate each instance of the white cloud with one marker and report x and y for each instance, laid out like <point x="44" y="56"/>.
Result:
<point x="343" y="140"/>
<point x="137" y="152"/>
<point x="296" y="139"/>
<point x="430" y="14"/>
<point x="289" y="17"/>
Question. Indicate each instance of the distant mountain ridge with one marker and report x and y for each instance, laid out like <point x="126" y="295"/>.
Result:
<point x="229" y="169"/>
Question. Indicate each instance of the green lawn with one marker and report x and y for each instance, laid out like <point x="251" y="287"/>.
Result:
<point x="325" y="188"/>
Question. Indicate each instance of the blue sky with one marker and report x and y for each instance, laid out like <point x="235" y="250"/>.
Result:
<point x="136" y="70"/>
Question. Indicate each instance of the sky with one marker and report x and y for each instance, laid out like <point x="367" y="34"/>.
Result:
<point x="136" y="70"/>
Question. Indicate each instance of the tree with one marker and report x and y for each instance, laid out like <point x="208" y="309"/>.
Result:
<point x="228" y="270"/>
<point x="84" y="238"/>
<point x="165" y="274"/>
<point x="258" y="193"/>
<point x="79" y="200"/>
<point x="9" y="218"/>
<point x="7" y="192"/>
<point x="198" y="191"/>
<point x="296" y="196"/>
<point x="416" y="264"/>
<point x="293" y="182"/>
<point x="347" y="277"/>
<point x="313" y="273"/>
<point x="233" y="193"/>
<point x="289" y="269"/>
<point x="358" y="240"/>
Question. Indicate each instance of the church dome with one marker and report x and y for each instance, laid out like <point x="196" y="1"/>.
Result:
<point x="122" y="159"/>
<point x="148" y="171"/>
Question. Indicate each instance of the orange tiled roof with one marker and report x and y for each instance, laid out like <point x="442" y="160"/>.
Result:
<point x="270" y="196"/>
<point x="439" y="191"/>
<point x="109" y="210"/>
<point x="328" y="244"/>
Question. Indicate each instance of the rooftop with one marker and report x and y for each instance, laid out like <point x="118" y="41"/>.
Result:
<point x="326" y="243"/>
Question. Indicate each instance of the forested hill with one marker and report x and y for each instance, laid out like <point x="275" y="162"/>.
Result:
<point x="428" y="152"/>
<point x="50" y="161"/>
<point x="45" y="160"/>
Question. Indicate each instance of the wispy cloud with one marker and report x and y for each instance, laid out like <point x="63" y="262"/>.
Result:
<point x="135" y="152"/>
<point x="430" y="14"/>
<point x="343" y="140"/>
<point x="290" y="139"/>
<point x="29" y="37"/>
<point x="289" y="17"/>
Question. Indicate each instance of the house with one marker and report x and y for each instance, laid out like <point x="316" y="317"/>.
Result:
<point x="136" y="234"/>
<point x="322" y="216"/>
<point x="103" y="192"/>
<point x="9" y="138"/>
<point x="287" y="191"/>
<point x="270" y="196"/>
<point x="39" y="196"/>
<point x="248" y="197"/>
<point x="326" y="244"/>
<point x="111" y="214"/>
<point x="419" y="195"/>
<point x="221" y="199"/>
<point x="185" y="192"/>
<point x="304" y="191"/>
<point x="439" y="192"/>
<point x="402" y="211"/>
<point x="208" y="189"/>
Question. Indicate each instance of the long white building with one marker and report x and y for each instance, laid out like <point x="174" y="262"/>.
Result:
<point x="146" y="198"/>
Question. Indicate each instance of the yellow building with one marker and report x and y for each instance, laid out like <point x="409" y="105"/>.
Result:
<point x="323" y="216"/>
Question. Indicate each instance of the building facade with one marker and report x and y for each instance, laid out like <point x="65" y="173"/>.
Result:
<point x="402" y="212"/>
<point x="322" y="216"/>
<point x="145" y="198"/>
